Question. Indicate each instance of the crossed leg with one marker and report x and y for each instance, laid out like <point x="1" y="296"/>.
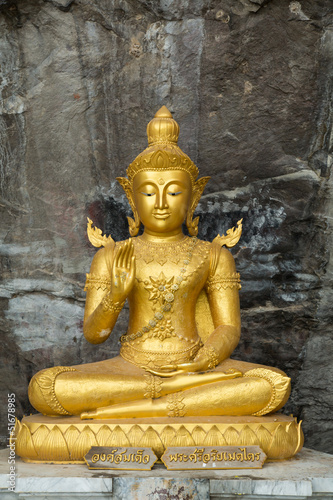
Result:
<point x="82" y="388"/>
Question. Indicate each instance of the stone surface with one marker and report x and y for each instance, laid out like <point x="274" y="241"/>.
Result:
<point x="250" y="84"/>
<point x="308" y="475"/>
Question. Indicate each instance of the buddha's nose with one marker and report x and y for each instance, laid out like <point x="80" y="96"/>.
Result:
<point x="161" y="202"/>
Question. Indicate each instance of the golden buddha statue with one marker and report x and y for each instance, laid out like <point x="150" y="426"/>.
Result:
<point x="164" y="366"/>
<point x="184" y="316"/>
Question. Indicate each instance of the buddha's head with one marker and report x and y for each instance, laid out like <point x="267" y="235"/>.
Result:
<point x="161" y="186"/>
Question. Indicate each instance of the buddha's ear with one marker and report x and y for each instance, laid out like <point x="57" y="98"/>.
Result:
<point x="134" y="225"/>
<point x="199" y="186"/>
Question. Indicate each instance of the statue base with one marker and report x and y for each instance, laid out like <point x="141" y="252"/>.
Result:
<point x="67" y="439"/>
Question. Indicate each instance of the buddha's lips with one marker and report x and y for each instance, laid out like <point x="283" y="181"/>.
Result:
<point x="165" y="215"/>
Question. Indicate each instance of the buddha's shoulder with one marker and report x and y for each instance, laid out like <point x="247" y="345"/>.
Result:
<point x="221" y="251"/>
<point x="103" y="257"/>
<point x="221" y="259"/>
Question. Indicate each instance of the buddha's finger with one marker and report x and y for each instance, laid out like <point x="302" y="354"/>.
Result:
<point x="117" y="257"/>
<point x="122" y="258"/>
<point x="164" y="374"/>
<point x="169" y="368"/>
<point x="129" y="255"/>
<point x="132" y="268"/>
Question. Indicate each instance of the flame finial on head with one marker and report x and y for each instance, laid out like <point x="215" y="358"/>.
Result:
<point x="162" y="129"/>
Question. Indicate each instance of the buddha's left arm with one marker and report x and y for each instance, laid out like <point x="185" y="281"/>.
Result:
<point x="222" y="290"/>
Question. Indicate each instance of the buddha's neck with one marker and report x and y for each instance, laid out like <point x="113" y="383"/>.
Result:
<point x="177" y="235"/>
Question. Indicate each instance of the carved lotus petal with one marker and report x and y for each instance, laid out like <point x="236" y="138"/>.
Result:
<point x="182" y="438"/>
<point x="134" y="435"/>
<point x="118" y="438"/>
<point x="151" y="438"/>
<point x="231" y="436"/>
<point x="198" y="435"/>
<point x="295" y="433"/>
<point x="248" y="437"/>
<point x="39" y="437"/>
<point x="167" y="435"/>
<point x="55" y="446"/>
<point x="83" y="444"/>
<point x="24" y="443"/>
<point x="214" y="438"/>
<point x="281" y="445"/>
<point x="103" y="435"/>
<point x="265" y="438"/>
<point x="300" y="437"/>
<point x="71" y="435"/>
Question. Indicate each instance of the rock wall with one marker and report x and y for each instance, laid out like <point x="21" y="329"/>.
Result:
<point x="250" y="83"/>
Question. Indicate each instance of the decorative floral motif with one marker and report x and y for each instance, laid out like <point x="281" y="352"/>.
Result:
<point x="176" y="405"/>
<point x="163" y="330"/>
<point x="153" y="386"/>
<point x="158" y="286"/>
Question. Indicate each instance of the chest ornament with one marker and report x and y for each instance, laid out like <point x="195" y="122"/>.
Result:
<point x="162" y="290"/>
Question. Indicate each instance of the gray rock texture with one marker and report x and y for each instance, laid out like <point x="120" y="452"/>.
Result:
<point x="250" y="83"/>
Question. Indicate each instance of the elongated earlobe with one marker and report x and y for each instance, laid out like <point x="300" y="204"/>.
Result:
<point x="134" y="225"/>
<point x="199" y="186"/>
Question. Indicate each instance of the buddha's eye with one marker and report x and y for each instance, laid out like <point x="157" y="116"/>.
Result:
<point x="147" y="194"/>
<point x="175" y="194"/>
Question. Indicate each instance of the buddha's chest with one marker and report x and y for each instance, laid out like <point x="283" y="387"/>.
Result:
<point x="164" y="272"/>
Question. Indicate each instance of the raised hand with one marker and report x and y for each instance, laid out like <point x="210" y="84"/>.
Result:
<point x="123" y="272"/>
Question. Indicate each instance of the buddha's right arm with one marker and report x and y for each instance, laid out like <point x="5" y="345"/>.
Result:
<point x="101" y="310"/>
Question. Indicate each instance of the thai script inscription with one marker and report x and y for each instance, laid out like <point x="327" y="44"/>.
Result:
<point x="112" y="457"/>
<point x="101" y="457"/>
<point x="221" y="457"/>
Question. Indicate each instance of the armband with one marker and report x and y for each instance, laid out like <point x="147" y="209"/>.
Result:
<point x="211" y="355"/>
<point x="97" y="282"/>
<point x="218" y="282"/>
<point x="110" y="306"/>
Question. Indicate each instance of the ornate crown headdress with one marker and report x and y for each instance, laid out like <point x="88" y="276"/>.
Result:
<point x="163" y="153"/>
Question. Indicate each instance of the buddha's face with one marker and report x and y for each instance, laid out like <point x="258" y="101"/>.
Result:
<point x="162" y="199"/>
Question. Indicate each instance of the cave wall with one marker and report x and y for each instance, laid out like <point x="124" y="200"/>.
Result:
<point x="250" y="83"/>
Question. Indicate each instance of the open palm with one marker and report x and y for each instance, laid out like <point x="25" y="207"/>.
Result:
<point x="123" y="272"/>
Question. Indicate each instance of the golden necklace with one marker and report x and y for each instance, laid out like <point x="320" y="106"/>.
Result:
<point x="161" y="253"/>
